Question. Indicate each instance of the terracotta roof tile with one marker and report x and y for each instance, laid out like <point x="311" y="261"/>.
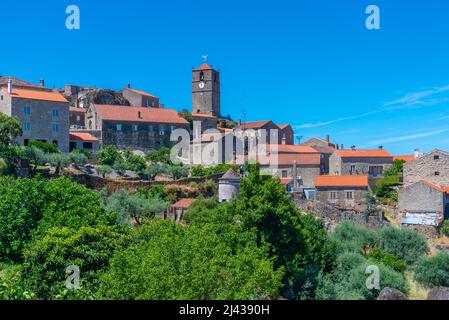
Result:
<point x="283" y="126"/>
<point x="31" y="94"/>
<point x="286" y="159"/>
<point x="286" y="148"/>
<point x="378" y="153"/>
<point x="204" y="66"/>
<point x="434" y="186"/>
<point x="143" y="93"/>
<point x="131" y="114"/>
<point x="406" y="158"/>
<point x="202" y="115"/>
<point x="254" y="125"/>
<point x="75" y="109"/>
<point x="183" y="203"/>
<point x="341" y="181"/>
<point x="82" y="136"/>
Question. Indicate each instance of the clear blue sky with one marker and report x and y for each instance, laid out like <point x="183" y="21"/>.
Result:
<point x="309" y="63"/>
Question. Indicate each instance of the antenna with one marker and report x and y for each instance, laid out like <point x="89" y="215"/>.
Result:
<point x="299" y="138"/>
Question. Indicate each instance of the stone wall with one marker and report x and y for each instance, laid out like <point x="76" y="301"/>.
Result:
<point x="426" y="167"/>
<point x="421" y="197"/>
<point x="357" y="166"/>
<point x="308" y="173"/>
<point x="356" y="203"/>
<point x="332" y="216"/>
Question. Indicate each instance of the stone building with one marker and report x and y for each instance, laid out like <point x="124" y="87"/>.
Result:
<point x="266" y="132"/>
<point x="228" y="186"/>
<point x="83" y="141"/>
<point x="343" y="192"/>
<point x="207" y="121"/>
<point x="77" y="118"/>
<point x="206" y="91"/>
<point x="432" y="167"/>
<point x="424" y="197"/>
<point x="360" y="162"/>
<point x="139" y="98"/>
<point x="134" y="128"/>
<point x="177" y="210"/>
<point x="325" y="147"/>
<point x="43" y="113"/>
<point x="286" y="134"/>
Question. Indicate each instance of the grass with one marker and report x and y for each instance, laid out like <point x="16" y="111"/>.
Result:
<point x="417" y="292"/>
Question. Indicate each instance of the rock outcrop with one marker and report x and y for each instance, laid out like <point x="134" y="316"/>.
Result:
<point x="438" y="293"/>
<point x="391" y="294"/>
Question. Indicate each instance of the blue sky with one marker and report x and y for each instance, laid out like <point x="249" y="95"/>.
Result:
<point x="309" y="63"/>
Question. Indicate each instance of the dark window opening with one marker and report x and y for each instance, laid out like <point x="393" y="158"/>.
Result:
<point x="25" y="142"/>
<point x="436" y="157"/>
<point x="87" y="145"/>
<point x="437" y="173"/>
<point x="55" y="142"/>
<point x="201" y="76"/>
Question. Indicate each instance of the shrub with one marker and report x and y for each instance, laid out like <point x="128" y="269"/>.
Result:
<point x="434" y="271"/>
<point x="405" y="244"/>
<point x="159" y="156"/>
<point x="378" y="255"/>
<point x="354" y="238"/>
<point x="103" y="170"/>
<point x="445" y="228"/>
<point x="44" y="146"/>
<point x="89" y="248"/>
<point x="4" y="168"/>
<point x="121" y="167"/>
<point x="78" y="159"/>
<point x="108" y="156"/>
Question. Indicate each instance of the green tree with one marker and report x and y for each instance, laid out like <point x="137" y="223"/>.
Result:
<point x="354" y="238"/>
<point x="108" y="156"/>
<point x="44" y="146"/>
<point x="134" y="207"/>
<point x="10" y="129"/>
<point x="153" y="170"/>
<point x="3" y="167"/>
<point x="405" y="244"/>
<point x="169" y="261"/>
<point x="378" y="255"/>
<point x="103" y="170"/>
<point x="89" y="248"/>
<point x="59" y="161"/>
<point x="445" y="228"/>
<point x="433" y="271"/>
<point x="177" y="171"/>
<point x="187" y="115"/>
<point x="159" y="156"/>
<point x="77" y="158"/>
<point x="120" y="167"/>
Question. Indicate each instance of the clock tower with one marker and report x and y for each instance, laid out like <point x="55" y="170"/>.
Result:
<point x="206" y="90"/>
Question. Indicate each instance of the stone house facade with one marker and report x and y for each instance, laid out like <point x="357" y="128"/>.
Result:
<point x="134" y="128"/>
<point x="77" y="118"/>
<point x="343" y="192"/>
<point x="424" y="197"/>
<point x="286" y="133"/>
<point x="139" y="98"/>
<point x="43" y="113"/>
<point x="360" y="162"/>
<point x="273" y="134"/>
<point x="325" y="147"/>
<point x="207" y="121"/>
<point x="432" y="167"/>
<point x="84" y="141"/>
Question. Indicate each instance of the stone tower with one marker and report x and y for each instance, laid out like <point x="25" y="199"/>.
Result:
<point x="206" y="91"/>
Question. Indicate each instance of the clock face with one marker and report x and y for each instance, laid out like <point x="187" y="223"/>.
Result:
<point x="201" y="85"/>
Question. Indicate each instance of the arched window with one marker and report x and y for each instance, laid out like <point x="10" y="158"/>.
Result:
<point x="201" y="76"/>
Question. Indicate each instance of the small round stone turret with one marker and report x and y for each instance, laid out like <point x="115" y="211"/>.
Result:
<point x="228" y="186"/>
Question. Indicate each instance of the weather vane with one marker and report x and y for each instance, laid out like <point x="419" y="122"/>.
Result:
<point x="205" y="56"/>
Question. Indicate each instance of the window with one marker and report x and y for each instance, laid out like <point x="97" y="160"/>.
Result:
<point x="78" y="118"/>
<point x="436" y="157"/>
<point x="172" y="128"/>
<point x="333" y="195"/>
<point x="376" y="170"/>
<point x="26" y="142"/>
<point x="119" y="127"/>
<point x="26" y="126"/>
<point x="2" y="98"/>
<point x="55" y="113"/>
<point x="352" y="169"/>
<point x="87" y="145"/>
<point x="349" y="195"/>
<point x="26" y="110"/>
<point x="201" y="76"/>
<point x="437" y="173"/>
<point x="54" y="127"/>
<point x="162" y="130"/>
<point x="135" y="127"/>
<point x="55" y="142"/>
<point x="284" y="174"/>
<point x="151" y="128"/>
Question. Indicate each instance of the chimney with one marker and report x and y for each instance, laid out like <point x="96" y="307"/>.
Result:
<point x="328" y="138"/>
<point x="42" y="82"/>
<point x="353" y="148"/>
<point x="139" y="114"/>
<point x="342" y="147"/>
<point x="381" y="147"/>
<point x="239" y="123"/>
<point x="284" y="140"/>
<point x="129" y="86"/>
<point x="417" y="153"/>
<point x="9" y="86"/>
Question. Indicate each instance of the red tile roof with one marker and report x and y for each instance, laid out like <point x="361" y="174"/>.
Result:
<point x="441" y="189"/>
<point x="286" y="180"/>
<point x="82" y="136"/>
<point x="131" y="114"/>
<point x="341" y="181"/>
<point x="286" y="148"/>
<point x="286" y="159"/>
<point x="203" y="115"/>
<point x="406" y="158"/>
<point x="283" y="126"/>
<point x="31" y="94"/>
<point x="378" y="153"/>
<point x="143" y="93"/>
<point x="254" y="125"/>
<point x="75" y="109"/>
<point x="183" y="203"/>
<point x="204" y="66"/>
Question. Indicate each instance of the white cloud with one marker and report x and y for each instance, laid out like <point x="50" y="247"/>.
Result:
<point x="406" y="137"/>
<point x="423" y="98"/>
<point x="325" y="123"/>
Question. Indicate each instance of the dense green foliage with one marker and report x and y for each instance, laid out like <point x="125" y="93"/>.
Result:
<point x="378" y="255"/>
<point x="445" y="228"/>
<point x="31" y="206"/>
<point x="200" y="171"/>
<point x="385" y="188"/>
<point x="405" y="244"/>
<point x="89" y="248"/>
<point x="159" y="156"/>
<point x="108" y="156"/>
<point x="354" y="238"/>
<point x="169" y="261"/>
<point x="434" y="271"/>
<point x="44" y="146"/>
<point x="10" y="129"/>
